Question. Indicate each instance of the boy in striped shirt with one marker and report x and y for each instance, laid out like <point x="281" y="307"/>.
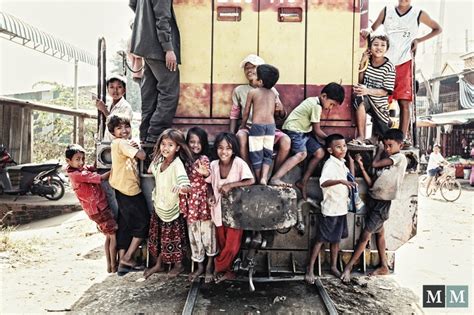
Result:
<point x="376" y="83"/>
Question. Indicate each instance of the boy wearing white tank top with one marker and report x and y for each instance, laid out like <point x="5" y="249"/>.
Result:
<point x="401" y="25"/>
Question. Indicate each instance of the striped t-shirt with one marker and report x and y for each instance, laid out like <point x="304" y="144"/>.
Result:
<point x="165" y="201"/>
<point x="381" y="77"/>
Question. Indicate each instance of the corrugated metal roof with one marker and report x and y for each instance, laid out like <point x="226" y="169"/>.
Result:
<point x="15" y="30"/>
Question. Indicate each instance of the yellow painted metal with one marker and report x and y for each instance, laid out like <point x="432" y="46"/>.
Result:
<point x="195" y="27"/>
<point x="330" y="45"/>
<point x="233" y="41"/>
<point x="283" y="43"/>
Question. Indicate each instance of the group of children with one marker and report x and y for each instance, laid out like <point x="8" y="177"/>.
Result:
<point x="188" y="187"/>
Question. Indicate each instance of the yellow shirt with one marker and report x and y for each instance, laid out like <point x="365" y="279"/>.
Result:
<point x="124" y="173"/>
<point x="301" y="119"/>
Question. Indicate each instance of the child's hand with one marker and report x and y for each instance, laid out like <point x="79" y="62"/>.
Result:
<point x="100" y="105"/>
<point x="202" y="169"/>
<point x="365" y="32"/>
<point x="358" y="159"/>
<point x="134" y="144"/>
<point x="365" y="56"/>
<point x="361" y="90"/>
<point x="211" y="201"/>
<point x="224" y="189"/>
<point x="348" y="183"/>
<point x="380" y="147"/>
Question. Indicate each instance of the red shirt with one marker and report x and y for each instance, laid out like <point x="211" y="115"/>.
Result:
<point x="86" y="185"/>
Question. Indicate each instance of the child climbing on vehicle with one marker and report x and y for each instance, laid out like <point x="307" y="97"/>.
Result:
<point x="85" y="182"/>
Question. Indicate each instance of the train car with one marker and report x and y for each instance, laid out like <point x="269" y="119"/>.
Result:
<point x="312" y="43"/>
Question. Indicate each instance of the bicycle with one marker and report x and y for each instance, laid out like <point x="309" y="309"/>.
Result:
<point x="447" y="183"/>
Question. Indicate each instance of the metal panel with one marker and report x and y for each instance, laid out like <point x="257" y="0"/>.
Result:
<point x="232" y="42"/>
<point x="195" y="25"/>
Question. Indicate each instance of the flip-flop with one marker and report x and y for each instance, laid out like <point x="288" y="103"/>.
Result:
<point x="123" y="270"/>
<point x="355" y="142"/>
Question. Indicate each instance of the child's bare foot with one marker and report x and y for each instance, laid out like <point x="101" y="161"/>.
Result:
<point x="346" y="276"/>
<point x="228" y="275"/>
<point x="156" y="268"/>
<point x="263" y="181"/>
<point x="197" y="273"/>
<point x="336" y="273"/>
<point x="176" y="270"/>
<point x="278" y="182"/>
<point x="380" y="271"/>
<point x="302" y="187"/>
<point x="109" y="268"/>
<point x="209" y="277"/>
<point x="309" y="277"/>
<point x="129" y="263"/>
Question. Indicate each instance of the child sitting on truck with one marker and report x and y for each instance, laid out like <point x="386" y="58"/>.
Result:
<point x="86" y="185"/>
<point x="303" y="125"/>
<point x="261" y="102"/>
<point x="391" y="165"/>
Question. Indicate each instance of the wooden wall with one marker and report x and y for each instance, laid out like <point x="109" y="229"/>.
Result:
<point x="16" y="132"/>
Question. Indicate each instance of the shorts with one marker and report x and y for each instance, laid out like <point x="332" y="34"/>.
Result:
<point x="403" y="82"/>
<point x="261" y="139"/>
<point x="435" y="171"/>
<point x="133" y="210"/>
<point x="378" y="213"/>
<point x="331" y="229"/>
<point x="105" y="220"/>
<point x="380" y="116"/>
<point x="202" y="238"/>
<point x="303" y="142"/>
<point x="278" y="134"/>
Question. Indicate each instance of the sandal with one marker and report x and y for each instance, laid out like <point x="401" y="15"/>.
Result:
<point x="355" y="142"/>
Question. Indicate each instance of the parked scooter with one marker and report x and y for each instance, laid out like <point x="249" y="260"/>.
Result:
<point x="38" y="179"/>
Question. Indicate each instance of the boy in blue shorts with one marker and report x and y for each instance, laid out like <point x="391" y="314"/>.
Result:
<point x="332" y="223"/>
<point x="303" y="126"/>
<point x="261" y="101"/>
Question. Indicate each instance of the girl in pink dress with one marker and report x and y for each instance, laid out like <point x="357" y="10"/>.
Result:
<point x="228" y="172"/>
<point x="194" y="206"/>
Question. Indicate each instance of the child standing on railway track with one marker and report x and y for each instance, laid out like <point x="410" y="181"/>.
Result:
<point x="195" y="208"/>
<point x="332" y="223"/>
<point x="167" y="238"/>
<point x="228" y="172"/>
<point x="391" y="165"/>
<point x="86" y="185"/>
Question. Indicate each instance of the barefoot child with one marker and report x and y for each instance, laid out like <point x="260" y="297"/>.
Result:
<point x="228" y="172"/>
<point x="167" y="239"/>
<point x="303" y="125"/>
<point x="195" y="208"/>
<point x="261" y="104"/>
<point x="391" y="165"/>
<point x="86" y="184"/>
<point x="376" y="83"/>
<point x="332" y="224"/>
<point x="133" y="216"/>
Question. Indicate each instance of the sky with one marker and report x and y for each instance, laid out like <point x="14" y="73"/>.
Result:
<point x="82" y="22"/>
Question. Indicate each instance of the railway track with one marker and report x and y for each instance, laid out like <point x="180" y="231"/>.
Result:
<point x="322" y="298"/>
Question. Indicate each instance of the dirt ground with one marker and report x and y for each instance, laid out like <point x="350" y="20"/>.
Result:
<point x="58" y="265"/>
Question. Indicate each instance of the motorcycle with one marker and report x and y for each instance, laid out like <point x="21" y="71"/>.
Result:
<point x="43" y="180"/>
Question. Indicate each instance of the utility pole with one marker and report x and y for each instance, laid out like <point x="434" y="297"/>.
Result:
<point x="438" y="59"/>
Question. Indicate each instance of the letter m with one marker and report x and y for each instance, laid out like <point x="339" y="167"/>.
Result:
<point x="434" y="296"/>
<point x="458" y="296"/>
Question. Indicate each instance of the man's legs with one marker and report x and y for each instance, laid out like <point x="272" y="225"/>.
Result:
<point x="149" y="96"/>
<point x="168" y="96"/>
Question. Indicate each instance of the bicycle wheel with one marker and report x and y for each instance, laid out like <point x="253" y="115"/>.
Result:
<point x="451" y="189"/>
<point x="422" y="181"/>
